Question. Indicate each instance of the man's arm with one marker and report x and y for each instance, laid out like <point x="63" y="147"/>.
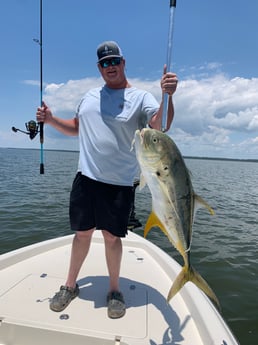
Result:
<point x="67" y="127"/>
<point x="168" y="85"/>
<point x="156" y="120"/>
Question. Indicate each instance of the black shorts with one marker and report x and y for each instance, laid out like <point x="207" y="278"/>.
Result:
<point x="99" y="205"/>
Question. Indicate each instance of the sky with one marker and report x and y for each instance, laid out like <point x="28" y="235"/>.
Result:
<point x="214" y="54"/>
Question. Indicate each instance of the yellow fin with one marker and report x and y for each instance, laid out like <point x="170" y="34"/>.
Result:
<point x="152" y="221"/>
<point x="179" y="282"/>
<point x="188" y="273"/>
<point x="200" y="202"/>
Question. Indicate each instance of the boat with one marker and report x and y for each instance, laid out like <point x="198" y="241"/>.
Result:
<point x="31" y="275"/>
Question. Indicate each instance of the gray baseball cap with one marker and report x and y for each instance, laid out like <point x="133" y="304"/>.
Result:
<point x="108" y="49"/>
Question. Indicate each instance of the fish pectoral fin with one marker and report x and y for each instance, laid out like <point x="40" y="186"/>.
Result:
<point x="132" y="145"/>
<point x="142" y="182"/>
<point x="152" y="221"/>
<point x="199" y="202"/>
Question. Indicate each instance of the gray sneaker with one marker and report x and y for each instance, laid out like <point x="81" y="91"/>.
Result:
<point x="63" y="297"/>
<point x="115" y="304"/>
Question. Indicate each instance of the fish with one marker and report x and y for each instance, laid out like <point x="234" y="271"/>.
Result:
<point x="174" y="202"/>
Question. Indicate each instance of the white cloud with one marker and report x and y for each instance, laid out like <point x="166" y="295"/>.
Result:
<point x="218" y="112"/>
<point x="31" y="82"/>
<point x="66" y="96"/>
<point x="253" y="124"/>
<point x="214" y="116"/>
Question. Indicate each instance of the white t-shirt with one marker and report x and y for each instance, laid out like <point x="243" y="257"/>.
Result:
<point x="108" y="119"/>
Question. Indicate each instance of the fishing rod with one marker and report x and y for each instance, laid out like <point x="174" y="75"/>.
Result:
<point x="169" y="54"/>
<point x="41" y="124"/>
<point x="32" y="127"/>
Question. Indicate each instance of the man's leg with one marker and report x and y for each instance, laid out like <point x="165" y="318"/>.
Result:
<point x="67" y="292"/>
<point x="113" y="251"/>
<point x="80" y="249"/>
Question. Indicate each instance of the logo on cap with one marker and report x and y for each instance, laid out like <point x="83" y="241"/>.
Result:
<point x="107" y="50"/>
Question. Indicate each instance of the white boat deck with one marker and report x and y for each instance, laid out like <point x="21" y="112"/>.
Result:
<point x="30" y="276"/>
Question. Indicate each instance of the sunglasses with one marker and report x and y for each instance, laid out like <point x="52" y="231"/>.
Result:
<point x="110" y="62"/>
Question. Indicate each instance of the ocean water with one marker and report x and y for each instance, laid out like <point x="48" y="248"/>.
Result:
<point x="224" y="250"/>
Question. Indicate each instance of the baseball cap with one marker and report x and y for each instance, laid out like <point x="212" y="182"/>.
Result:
<point x="108" y="49"/>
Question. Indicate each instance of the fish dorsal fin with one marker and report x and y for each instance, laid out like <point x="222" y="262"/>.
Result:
<point x="152" y="221"/>
<point x="199" y="202"/>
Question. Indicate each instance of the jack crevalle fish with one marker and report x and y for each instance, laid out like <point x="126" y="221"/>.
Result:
<point x="173" y="200"/>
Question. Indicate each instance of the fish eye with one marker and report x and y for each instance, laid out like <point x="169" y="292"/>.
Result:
<point x="154" y="140"/>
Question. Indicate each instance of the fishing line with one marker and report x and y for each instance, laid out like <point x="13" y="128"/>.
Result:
<point x="169" y="62"/>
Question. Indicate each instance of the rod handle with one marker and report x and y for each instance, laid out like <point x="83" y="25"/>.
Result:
<point x="41" y="168"/>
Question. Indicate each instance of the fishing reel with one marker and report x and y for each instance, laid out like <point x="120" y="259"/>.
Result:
<point x="32" y="129"/>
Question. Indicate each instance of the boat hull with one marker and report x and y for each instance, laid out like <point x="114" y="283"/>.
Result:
<point x="30" y="276"/>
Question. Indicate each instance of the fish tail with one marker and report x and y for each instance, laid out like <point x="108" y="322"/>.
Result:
<point x="179" y="282"/>
<point x="188" y="273"/>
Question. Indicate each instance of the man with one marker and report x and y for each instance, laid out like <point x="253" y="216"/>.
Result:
<point x="101" y="195"/>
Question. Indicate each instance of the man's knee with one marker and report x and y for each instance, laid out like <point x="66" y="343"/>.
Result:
<point x="84" y="235"/>
<point x="108" y="237"/>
